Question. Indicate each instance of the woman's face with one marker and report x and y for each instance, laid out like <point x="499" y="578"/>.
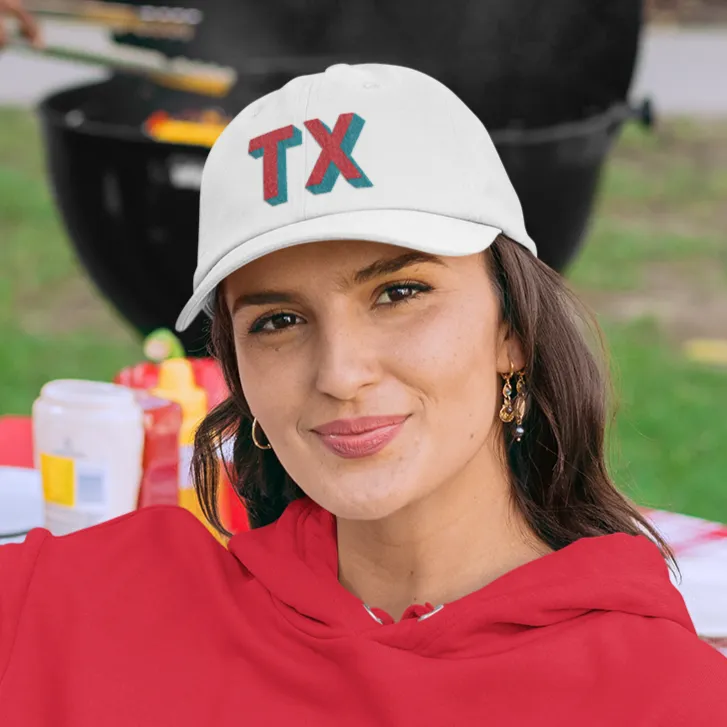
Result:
<point x="372" y="369"/>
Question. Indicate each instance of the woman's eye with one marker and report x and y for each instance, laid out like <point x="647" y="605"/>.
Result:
<point x="401" y="292"/>
<point x="276" y="322"/>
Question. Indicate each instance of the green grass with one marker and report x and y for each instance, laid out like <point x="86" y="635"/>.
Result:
<point x="661" y="203"/>
<point x="662" y="208"/>
<point x="27" y="361"/>
<point x="670" y="430"/>
<point x="617" y="252"/>
<point x="43" y="291"/>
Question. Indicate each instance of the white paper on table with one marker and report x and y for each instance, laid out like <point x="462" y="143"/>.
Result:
<point x="704" y="586"/>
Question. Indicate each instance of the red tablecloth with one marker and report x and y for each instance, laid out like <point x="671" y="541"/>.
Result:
<point x="16" y="441"/>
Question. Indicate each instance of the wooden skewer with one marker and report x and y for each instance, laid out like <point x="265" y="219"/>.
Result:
<point x="145" y="20"/>
<point x="180" y="73"/>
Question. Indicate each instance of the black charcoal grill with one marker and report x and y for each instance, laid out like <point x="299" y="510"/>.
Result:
<point x="549" y="79"/>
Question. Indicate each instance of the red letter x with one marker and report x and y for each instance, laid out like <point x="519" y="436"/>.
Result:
<point x="335" y="156"/>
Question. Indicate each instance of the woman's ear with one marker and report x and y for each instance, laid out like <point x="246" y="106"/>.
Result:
<point x="510" y="356"/>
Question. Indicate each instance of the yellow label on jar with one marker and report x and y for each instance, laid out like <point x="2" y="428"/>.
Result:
<point x="58" y="478"/>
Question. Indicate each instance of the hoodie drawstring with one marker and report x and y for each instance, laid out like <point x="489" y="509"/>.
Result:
<point x="420" y="618"/>
<point x="373" y="615"/>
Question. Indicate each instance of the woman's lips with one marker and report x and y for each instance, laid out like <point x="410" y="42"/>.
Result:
<point x="362" y="437"/>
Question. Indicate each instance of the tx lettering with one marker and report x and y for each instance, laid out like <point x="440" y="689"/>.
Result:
<point x="335" y="157"/>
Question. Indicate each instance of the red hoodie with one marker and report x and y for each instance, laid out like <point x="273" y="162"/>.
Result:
<point x="148" y="621"/>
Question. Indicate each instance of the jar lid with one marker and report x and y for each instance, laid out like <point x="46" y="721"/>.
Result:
<point x="22" y="506"/>
<point x="88" y="393"/>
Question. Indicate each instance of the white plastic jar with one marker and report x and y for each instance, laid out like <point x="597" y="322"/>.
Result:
<point x="88" y="439"/>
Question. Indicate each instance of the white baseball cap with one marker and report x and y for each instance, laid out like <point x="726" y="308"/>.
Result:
<point x="359" y="152"/>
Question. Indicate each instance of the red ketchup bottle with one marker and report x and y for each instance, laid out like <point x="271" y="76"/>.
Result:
<point x="208" y="375"/>
<point x="160" y="464"/>
<point x="143" y="375"/>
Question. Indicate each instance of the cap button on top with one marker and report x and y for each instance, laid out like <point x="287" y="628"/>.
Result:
<point x="351" y="73"/>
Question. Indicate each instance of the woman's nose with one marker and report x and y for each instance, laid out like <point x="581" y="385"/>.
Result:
<point x="347" y="360"/>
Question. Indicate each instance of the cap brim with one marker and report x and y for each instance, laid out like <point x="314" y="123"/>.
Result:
<point x="423" y="231"/>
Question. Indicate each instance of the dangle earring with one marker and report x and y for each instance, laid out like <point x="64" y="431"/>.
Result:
<point x="507" y="412"/>
<point x="520" y="406"/>
<point x="514" y="411"/>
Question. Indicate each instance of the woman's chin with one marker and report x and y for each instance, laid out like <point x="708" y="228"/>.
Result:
<point x="361" y="500"/>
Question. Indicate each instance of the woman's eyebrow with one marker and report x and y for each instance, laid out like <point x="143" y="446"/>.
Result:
<point x="263" y="297"/>
<point x="387" y="266"/>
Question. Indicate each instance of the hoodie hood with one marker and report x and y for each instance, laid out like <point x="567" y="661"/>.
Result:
<point x="296" y="561"/>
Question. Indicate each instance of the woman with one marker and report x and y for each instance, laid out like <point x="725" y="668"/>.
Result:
<point x="418" y="428"/>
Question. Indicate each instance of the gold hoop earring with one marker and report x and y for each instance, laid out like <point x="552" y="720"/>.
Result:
<point x="255" y="439"/>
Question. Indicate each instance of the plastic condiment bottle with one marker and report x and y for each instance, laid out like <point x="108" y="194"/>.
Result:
<point x="88" y="440"/>
<point x="177" y="384"/>
<point x="160" y="475"/>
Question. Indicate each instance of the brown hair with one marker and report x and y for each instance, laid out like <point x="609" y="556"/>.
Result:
<point x="560" y="482"/>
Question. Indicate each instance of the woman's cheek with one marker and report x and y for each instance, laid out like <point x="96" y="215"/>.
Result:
<point x="267" y="381"/>
<point x="443" y="345"/>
